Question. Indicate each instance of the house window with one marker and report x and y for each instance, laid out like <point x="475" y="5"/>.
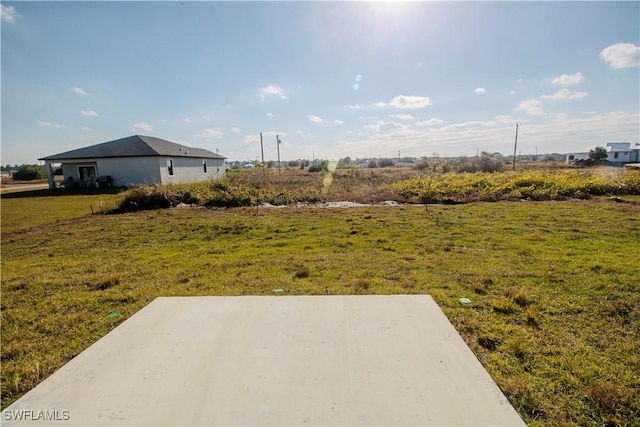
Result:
<point x="170" y="166"/>
<point x="86" y="172"/>
<point x="204" y="166"/>
<point x="615" y="155"/>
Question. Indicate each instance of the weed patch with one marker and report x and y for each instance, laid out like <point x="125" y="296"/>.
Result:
<point x="504" y="306"/>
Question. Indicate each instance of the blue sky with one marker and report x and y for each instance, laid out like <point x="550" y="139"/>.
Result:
<point x="333" y="79"/>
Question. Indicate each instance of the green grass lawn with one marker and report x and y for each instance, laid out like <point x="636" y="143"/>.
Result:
<point x="28" y="208"/>
<point x="554" y="286"/>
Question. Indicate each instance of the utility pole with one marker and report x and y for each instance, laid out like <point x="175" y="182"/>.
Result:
<point x="262" y="151"/>
<point x="278" y="144"/>
<point x="515" y="145"/>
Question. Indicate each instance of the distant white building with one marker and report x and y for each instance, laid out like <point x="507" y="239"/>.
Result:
<point x="617" y="152"/>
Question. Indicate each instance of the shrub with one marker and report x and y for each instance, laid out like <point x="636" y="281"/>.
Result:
<point x="319" y="167"/>
<point x="146" y="197"/>
<point x="384" y="163"/>
<point x="29" y="173"/>
<point x="533" y="185"/>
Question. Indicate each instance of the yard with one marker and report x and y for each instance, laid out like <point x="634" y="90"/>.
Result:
<point x="554" y="286"/>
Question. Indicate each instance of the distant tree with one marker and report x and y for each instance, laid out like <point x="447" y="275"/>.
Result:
<point x="345" y="161"/>
<point x="598" y="154"/>
<point x="29" y="173"/>
<point x="373" y="163"/>
<point x="319" y="167"/>
<point x="384" y="163"/>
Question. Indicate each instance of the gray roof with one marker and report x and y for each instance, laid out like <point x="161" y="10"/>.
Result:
<point x="135" y="146"/>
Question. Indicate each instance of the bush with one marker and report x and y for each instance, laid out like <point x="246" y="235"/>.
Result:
<point x="29" y="173"/>
<point x="536" y="185"/>
<point x="147" y="197"/>
<point x="320" y="167"/>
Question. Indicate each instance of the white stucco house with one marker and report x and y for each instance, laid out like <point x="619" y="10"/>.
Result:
<point x="617" y="152"/>
<point x="136" y="160"/>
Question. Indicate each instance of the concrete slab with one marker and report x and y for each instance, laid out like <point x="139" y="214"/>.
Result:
<point x="281" y="360"/>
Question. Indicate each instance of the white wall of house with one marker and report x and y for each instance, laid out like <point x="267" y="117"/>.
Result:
<point x="129" y="171"/>
<point x="572" y="157"/>
<point x="190" y="169"/>
<point x="619" y="156"/>
<point x="124" y="171"/>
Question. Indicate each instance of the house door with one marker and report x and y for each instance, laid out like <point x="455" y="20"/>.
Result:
<point x="86" y="172"/>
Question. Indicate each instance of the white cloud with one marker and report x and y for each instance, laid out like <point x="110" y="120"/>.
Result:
<point x="235" y="130"/>
<point x="86" y="128"/>
<point x="187" y="120"/>
<point x="49" y="124"/>
<point x="512" y="92"/>
<point x="143" y="126"/>
<point x="402" y="116"/>
<point x="622" y="55"/>
<point x="480" y="90"/>
<point x="533" y="107"/>
<point x="269" y="114"/>
<point x="8" y="13"/>
<point x="410" y="102"/>
<point x="382" y="126"/>
<point x="89" y="113"/>
<point x="567" y="79"/>
<point x="314" y="119"/>
<point x="251" y="138"/>
<point x="353" y="106"/>
<point x="565" y="94"/>
<point x="380" y="104"/>
<point x="504" y="119"/>
<point x="338" y="122"/>
<point x="271" y="91"/>
<point x="210" y="133"/>
<point x="79" y="91"/>
<point x="430" y="122"/>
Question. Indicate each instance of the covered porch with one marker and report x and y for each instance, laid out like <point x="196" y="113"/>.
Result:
<point x="77" y="175"/>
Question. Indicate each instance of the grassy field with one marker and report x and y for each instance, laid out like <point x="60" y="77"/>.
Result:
<point x="32" y="208"/>
<point x="554" y="286"/>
